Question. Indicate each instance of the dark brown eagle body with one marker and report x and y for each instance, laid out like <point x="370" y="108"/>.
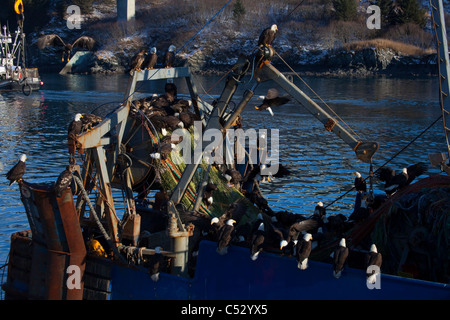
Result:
<point x="83" y="42"/>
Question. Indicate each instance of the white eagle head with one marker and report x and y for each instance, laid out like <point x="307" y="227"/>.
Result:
<point x="307" y="237"/>
<point x="78" y="117"/>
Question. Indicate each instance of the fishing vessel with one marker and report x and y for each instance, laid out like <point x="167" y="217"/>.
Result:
<point x="79" y="246"/>
<point x="14" y="75"/>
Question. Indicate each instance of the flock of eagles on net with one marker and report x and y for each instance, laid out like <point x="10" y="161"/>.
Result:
<point x="292" y="233"/>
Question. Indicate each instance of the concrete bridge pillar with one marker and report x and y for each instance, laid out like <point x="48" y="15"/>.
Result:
<point x="125" y="10"/>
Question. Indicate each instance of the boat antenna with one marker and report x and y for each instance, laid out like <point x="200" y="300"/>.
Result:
<point x="18" y="8"/>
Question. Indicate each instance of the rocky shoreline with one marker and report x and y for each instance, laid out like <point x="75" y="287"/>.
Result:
<point x="338" y="63"/>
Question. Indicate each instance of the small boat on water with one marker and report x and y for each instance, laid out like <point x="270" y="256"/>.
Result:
<point x="165" y="242"/>
<point x="14" y="75"/>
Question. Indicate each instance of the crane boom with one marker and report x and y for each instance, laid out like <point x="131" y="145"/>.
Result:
<point x="364" y="150"/>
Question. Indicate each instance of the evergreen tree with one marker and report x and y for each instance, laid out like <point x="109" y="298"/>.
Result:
<point x="411" y="11"/>
<point x="387" y="12"/>
<point x="345" y="10"/>
<point x="238" y="11"/>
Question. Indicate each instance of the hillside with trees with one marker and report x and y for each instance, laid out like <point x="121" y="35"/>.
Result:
<point x="314" y="35"/>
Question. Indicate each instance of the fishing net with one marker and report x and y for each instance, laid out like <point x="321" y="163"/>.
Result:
<point x="414" y="233"/>
<point x="411" y="230"/>
<point x="171" y="170"/>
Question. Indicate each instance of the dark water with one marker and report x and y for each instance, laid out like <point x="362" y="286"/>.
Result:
<point x="390" y="111"/>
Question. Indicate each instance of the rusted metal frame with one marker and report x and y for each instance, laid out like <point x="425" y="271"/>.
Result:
<point x="148" y="252"/>
<point x="109" y="135"/>
<point x="248" y="94"/>
<point x="86" y="174"/>
<point x="106" y="191"/>
<point x="56" y="262"/>
<point x="212" y="123"/>
<point x="153" y="74"/>
<point x="269" y="72"/>
<point x="106" y="132"/>
<point x="201" y="108"/>
<point x="364" y="150"/>
<point x="194" y="96"/>
<point x="74" y="238"/>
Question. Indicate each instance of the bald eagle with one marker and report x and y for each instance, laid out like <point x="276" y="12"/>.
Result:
<point x="267" y="36"/>
<point x="257" y="242"/>
<point x="83" y="42"/>
<point x="169" y="57"/>
<point x="138" y="60"/>
<point x="16" y="173"/>
<point x="155" y="262"/>
<point x="373" y="259"/>
<point x="360" y="183"/>
<point x="339" y="258"/>
<point x="73" y="131"/>
<point x="150" y="60"/>
<point x="76" y="125"/>
<point x="394" y="182"/>
<point x="64" y="180"/>
<point x="272" y="99"/>
<point x="226" y="234"/>
<point x="304" y="247"/>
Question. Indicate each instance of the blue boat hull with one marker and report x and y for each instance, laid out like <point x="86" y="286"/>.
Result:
<point x="271" y="277"/>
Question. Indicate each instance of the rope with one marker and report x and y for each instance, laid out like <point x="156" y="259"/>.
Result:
<point x="97" y="220"/>
<point x="292" y="11"/>
<point x="392" y="158"/>
<point x="329" y="108"/>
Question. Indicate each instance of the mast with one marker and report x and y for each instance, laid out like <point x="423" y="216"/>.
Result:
<point x="18" y="7"/>
<point x="438" y="20"/>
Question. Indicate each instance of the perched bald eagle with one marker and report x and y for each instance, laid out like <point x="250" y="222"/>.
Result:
<point x="16" y="173"/>
<point x="76" y="125"/>
<point x="90" y="120"/>
<point x="151" y="59"/>
<point x="257" y="242"/>
<point x="83" y="42"/>
<point x="169" y="57"/>
<point x="233" y="176"/>
<point x="75" y="128"/>
<point x="340" y="256"/>
<point x="304" y="247"/>
<point x="373" y="258"/>
<point x="208" y="194"/>
<point x="138" y="60"/>
<point x="267" y="36"/>
<point x="163" y="151"/>
<point x="64" y="180"/>
<point x="360" y="183"/>
<point x="272" y="99"/>
<point x="155" y="262"/>
<point x="226" y="234"/>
